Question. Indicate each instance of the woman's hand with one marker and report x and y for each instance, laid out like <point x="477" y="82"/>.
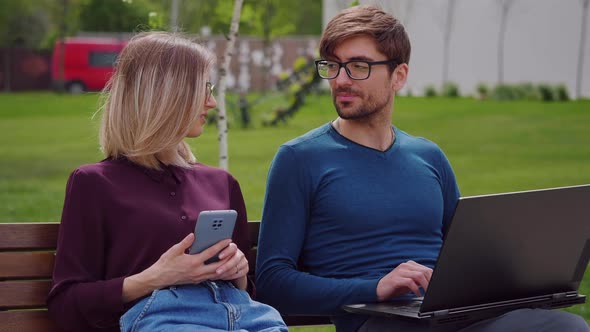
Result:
<point x="234" y="268"/>
<point x="176" y="267"/>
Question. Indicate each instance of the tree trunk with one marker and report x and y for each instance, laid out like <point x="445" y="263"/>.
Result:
<point x="580" y="70"/>
<point x="502" y="37"/>
<point x="447" y="41"/>
<point x="225" y="66"/>
<point x="174" y="16"/>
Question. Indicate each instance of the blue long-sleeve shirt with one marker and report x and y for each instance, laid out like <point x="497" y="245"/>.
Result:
<point x="348" y="214"/>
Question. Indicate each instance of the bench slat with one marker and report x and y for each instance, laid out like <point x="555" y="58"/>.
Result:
<point x="26" y="265"/>
<point x="27" y="321"/>
<point x="28" y="235"/>
<point x="24" y="294"/>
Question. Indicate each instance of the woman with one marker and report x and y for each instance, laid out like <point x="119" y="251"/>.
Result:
<point x="128" y="220"/>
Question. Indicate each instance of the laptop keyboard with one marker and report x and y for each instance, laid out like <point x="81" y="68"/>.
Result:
<point x="410" y="307"/>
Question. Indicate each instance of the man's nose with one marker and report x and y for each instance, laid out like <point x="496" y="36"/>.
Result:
<point x="343" y="78"/>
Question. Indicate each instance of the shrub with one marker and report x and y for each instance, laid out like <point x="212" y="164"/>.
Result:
<point x="546" y="92"/>
<point x="503" y="92"/>
<point x="430" y="91"/>
<point x="561" y="93"/>
<point x="482" y="90"/>
<point x="450" y="90"/>
<point x="528" y="91"/>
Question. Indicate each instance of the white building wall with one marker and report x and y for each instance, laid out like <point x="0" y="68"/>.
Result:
<point x="541" y="46"/>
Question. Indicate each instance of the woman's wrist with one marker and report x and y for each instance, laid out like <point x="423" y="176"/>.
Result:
<point x="138" y="285"/>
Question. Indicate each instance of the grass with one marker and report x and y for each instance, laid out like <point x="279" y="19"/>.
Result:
<point x="493" y="146"/>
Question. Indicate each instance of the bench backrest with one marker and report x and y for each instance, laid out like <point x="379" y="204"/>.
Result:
<point x="27" y="253"/>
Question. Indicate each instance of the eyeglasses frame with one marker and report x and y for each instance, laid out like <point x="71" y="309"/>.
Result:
<point x="209" y="86"/>
<point x="344" y="64"/>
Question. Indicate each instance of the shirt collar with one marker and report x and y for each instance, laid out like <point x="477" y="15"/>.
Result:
<point x="158" y="175"/>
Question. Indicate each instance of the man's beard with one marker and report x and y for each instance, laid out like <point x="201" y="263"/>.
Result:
<point x="368" y="108"/>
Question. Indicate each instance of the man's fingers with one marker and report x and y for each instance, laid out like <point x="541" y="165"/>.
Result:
<point x="418" y="277"/>
<point x="413" y="266"/>
<point x="410" y="284"/>
<point x="420" y="274"/>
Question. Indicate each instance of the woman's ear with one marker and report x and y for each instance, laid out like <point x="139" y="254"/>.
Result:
<point x="399" y="77"/>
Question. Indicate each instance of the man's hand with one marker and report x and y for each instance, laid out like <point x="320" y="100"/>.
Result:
<point x="407" y="277"/>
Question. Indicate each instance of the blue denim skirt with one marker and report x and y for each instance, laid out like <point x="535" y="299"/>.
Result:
<point x="208" y="306"/>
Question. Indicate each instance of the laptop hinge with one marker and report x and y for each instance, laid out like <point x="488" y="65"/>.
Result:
<point x="441" y="313"/>
<point x="564" y="294"/>
<point x="557" y="296"/>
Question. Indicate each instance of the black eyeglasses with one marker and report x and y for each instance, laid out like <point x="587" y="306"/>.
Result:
<point x="356" y="70"/>
<point x="209" y="86"/>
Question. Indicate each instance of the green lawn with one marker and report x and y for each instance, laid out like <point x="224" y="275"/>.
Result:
<point x="493" y="146"/>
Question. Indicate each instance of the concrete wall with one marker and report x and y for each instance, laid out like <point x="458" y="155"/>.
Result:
<point x="541" y="45"/>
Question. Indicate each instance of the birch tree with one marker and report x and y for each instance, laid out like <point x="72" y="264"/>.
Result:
<point x="222" y="114"/>
<point x="580" y="71"/>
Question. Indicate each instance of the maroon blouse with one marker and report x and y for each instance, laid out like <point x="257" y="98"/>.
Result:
<point x="118" y="219"/>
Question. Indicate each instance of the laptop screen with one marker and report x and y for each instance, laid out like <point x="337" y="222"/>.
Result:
<point x="514" y="245"/>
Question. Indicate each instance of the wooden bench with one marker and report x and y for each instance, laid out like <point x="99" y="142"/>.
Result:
<point x="26" y="265"/>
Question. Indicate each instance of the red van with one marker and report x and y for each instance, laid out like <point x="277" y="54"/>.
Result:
<point x="88" y="62"/>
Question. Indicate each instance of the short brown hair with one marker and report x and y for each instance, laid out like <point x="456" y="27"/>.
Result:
<point x="154" y="98"/>
<point x="390" y="35"/>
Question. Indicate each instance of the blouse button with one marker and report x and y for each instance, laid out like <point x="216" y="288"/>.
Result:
<point x="172" y="193"/>
<point x="183" y="217"/>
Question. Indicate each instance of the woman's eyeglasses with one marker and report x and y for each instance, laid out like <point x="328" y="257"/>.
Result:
<point x="210" y="87"/>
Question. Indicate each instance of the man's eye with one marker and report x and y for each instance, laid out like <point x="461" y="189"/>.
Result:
<point x="360" y="66"/>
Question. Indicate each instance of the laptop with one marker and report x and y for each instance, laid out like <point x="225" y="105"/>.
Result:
<point x="502" y="252"/>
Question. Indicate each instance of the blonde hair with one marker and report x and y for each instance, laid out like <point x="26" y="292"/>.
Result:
<point x="154" y="98"/>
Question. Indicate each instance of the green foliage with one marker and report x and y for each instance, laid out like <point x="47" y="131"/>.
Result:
<point x="297" y="86"/>
<point x="430" y="91"/>
<point x="263" y="18"/>
<point x="450" y="89"/>
<point x="156" y="21"/>
<point x="503" y="92"/>
<point x="561" y="93"/>
<point x="113" y="16"/>
<point x="354" y="3"/>
<point x="38" y="23"/>
<point x="483" y="90"/>
<point x="300" y="63"/>
<point x="528" y="91"/>
<point x="22" y="23"/>
<point x="546" y="92"/>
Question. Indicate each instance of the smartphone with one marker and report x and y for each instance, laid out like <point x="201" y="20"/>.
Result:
<point x="212" y="227"/>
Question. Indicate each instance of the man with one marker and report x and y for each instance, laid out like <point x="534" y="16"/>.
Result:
<point x="360" y="204"/>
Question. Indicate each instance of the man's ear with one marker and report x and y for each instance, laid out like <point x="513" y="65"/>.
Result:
<point x="399" y="77"/>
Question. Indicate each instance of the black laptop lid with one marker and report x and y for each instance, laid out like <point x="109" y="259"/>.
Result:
<point x="515" y="245"/>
